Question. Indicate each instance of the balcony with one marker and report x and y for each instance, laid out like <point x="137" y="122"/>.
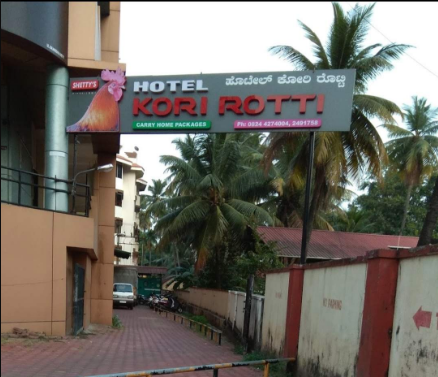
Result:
<point x="27" y="189"/>
<point x="119" y="212"/>
<point x="119" y="184"/>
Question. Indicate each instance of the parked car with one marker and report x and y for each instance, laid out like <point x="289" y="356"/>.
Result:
<point x="123" y="295"/>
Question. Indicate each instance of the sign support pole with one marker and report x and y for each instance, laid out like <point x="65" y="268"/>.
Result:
<point x="307" y="199"/>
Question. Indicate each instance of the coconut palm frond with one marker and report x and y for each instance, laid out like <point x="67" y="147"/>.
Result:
<point x="299" y="60"/>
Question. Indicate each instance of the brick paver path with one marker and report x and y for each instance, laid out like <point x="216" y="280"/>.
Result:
<point x="148" y="341"/>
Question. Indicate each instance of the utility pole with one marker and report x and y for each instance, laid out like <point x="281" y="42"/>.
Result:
<point x="307" y="200"/>
<point x="247" y="317"/>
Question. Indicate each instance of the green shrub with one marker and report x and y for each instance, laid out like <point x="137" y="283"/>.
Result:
<point x="117" y="323"/>
<point x="275" y="370"/>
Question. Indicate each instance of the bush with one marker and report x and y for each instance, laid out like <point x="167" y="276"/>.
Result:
<point x="117" y="323"/>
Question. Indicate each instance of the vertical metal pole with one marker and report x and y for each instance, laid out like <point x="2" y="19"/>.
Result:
<point x="87" y="210"/>
<point x="247" y="318"/>
<point x="215" y="372"/>
<point x="19" y="188"/>
<point x="75" y="157"/>
<point x="56" y="139"/>
<point x="307" y="199"/>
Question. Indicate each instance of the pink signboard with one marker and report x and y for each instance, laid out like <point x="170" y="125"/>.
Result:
<point x="268" y="124"/>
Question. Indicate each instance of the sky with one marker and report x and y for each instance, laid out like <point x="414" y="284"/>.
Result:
<point x="161" y="38"/>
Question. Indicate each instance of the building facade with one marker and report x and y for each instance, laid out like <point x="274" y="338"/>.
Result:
<point x="57" y="244"/>
<point x="129" y="185"/>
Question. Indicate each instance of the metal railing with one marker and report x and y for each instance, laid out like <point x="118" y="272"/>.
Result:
<point x="24" y="190"/>
<point x="214" y="367"/>
<point x="212" y="332"/>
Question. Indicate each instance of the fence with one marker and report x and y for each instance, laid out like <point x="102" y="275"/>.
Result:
<point x="213" y="333"/>
<point x="226" y="308"/>
<point x="214" y="367"/>
<point x="236" y="314"/>
<point x="27" y="189"/>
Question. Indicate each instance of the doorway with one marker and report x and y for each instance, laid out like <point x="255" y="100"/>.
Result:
<point x="78" y="299"/>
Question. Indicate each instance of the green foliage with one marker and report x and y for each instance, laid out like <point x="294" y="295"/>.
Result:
<point x="197" y="318"/>
<point x="117" y="323"/>
<point x="239" y="349"/>
<point x="275" y="370"/>
<point x="255" y="262"/>
<point x="380" y="210"/>
<point x="207" y="205"/>
<point x="340" y="156"/>
<point x="237" y="259"/>
<point x="413" y="150"/>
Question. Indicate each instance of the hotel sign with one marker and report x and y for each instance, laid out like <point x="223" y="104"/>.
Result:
<point x="216" y="103"/>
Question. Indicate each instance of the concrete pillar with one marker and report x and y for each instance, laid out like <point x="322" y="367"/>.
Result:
<point x="293" y="319"/>
<point x="378" y="315"/>
<point x="102" y="271"/>
<point x="56" y="151"/>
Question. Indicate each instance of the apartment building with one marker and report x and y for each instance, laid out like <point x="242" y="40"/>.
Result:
<point x="129" y="185"/>
<point x="57" y="210"/>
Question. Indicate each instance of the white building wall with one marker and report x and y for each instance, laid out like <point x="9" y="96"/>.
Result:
<point x="128" y="215"/>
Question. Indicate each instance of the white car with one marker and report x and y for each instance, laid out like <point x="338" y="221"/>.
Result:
<point x="123" y="295"/>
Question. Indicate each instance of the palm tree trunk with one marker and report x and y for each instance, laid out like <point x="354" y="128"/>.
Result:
<point x="177" y="256"/>
<point x="406" y="207"/>
<point x="431" y="218"/>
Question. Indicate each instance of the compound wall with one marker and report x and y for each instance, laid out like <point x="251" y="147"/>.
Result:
<point x="331" y="320"/>
<point x="275" y="312"/>
<point x="414" y="349"/>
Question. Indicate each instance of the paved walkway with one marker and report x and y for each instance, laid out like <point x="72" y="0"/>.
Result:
<point x="148" y="341"/>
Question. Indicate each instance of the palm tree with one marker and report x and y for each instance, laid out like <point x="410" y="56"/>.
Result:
<point x="353" y="220"/>
<point x="157" y="192"/>
<point x="341" y="155"/>
<point x="148" y="241"/>
<point x="413" y="150"/>
<point x="209" y="181"/>
<point x="430" y="222"/>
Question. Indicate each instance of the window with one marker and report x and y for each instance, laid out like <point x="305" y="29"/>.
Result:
<point x="118" y="226"/>
<point x="119" y="199"/>
<point x="125" y="288"/>
<point x="119" y="172"/>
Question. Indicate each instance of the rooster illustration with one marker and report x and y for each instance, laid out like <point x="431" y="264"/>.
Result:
<point x="103" y="113"/>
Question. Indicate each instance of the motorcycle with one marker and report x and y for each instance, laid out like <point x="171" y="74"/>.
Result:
<point x="153" y="300"/>
<point x="142" y="300"/>
<point x="171" y="303"/>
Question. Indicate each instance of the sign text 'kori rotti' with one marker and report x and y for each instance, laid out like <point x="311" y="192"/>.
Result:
<point x="273" y="101"/>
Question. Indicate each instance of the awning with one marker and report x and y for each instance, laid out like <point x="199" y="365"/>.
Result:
<point x="119" y="253"/>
